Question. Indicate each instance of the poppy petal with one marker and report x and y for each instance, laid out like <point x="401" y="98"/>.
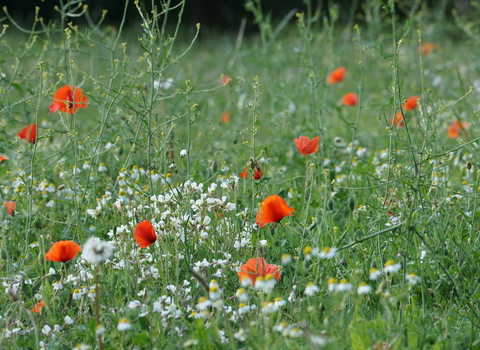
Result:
<point x="411" y="103"/>
<point x="68" y="100"/>
<point x="306" y="146"/>
<point x="145" y="234"/>
<point x="38" y="307"/>
<point x="272" y="209"/>
<point x="256" y="267"/>
<point x="63" y="251"/>
<point x="337" y="75"/>
<point x="350" y="99"/>
<point x="10" y="207"/>
<point x="29" y="133"/>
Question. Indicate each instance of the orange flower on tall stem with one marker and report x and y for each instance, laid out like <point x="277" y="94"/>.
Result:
<point x="3" y="158"/>
<point x="255" y="167"/>
<point x="411" y="103"/>
<point x="226" y="79"/>
<point x="68" y="100"/>
<point x="456" y="129"/>
<point x="38" y="307"/>
<point x="272" y="209"/>
<point x="145" y="234"/>
<point x="10" y="207"/>
<point x="63" y="251"/>
<point x="398" y="120"/>
<point x="306" y="146"/>
<point x="337" y="75"/>
<point x="256" y="267"/>
<point x="426" y="48"/>
<point x="350" y="99"/>
<point x="29" y="133"/>
<point x="257" y="174"/>
<point x="226" y="117"/>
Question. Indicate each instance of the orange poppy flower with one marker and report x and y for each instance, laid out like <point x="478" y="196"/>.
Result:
<point x="398" y="121"/>
<point x="226" y="79"/>
<point x="63" y="251"/>
<point x="411" y="103"/>
<point x="145" y="234"/>
<point x="426" y="48"/>
<point x="256" y="267"/>
<point x="350" y="99"/>
<point x="256" y="174"/>
<point x="38" y="307"/>
<point x="272" y="209"/>
<point x="225" y="117"/>
<point x="29" y="133"/>
<point x="306" y="146"/>
<point x="10" y="207"/>
<point x="68" y="100"/>
<point x="3" y="158"/>
<point x="456" y="129"/>
<point x="337" y="75"/>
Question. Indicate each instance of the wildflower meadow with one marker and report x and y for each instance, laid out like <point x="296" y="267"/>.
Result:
<point x="311" y="185"/>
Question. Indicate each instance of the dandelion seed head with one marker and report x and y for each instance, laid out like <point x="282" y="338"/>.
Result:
<point x="97" y="251"/>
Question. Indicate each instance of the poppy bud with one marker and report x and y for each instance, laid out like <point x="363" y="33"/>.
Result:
<point x="383" y="286"/>
<point x="351" y="203"/>
<point x="11" y="294"/>
<point x="469" y="165"/>
<point x="213" y="166"/>
<point x="330" y="204"/>
<point x="332" y="175"/>
<point x="312" y="226"/>
<point x="39" y="223"/>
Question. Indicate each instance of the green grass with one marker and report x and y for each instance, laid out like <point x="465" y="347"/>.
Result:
<point x="373" y="191"/>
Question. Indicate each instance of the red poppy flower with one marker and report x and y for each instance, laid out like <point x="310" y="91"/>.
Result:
<point x="272" y="209"/>
<point x="10" y="207"/>
<point x="426" y="48"/>
<point x="225" y="117"/>
<point x="256" y="267"/>
<point x="29" y="133"/>
<point x="38" y="307"/>
<point x="256" y="174"/>
<point x="63" y="251"/>
<point x="337" y="75"/>
<point x="3" y="158"/>
<point x="226" y="79"/>
<point x="145" y="234"/>
<point x="350" y="99"/>
<point x="411" y="103"/>
<point x="306" y="146"/>
<point x="456" y="129"/>
<point x="398" y="121"/>
<point x="68" y="100"/>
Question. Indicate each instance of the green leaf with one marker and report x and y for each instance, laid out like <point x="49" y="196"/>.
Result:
<point x="141" y="340"/>
<point x="144" y="323"/>
<point x="359" y="330"/>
